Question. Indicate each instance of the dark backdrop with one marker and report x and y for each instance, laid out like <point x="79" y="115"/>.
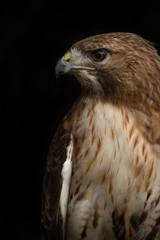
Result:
<point x="34" y="35"/>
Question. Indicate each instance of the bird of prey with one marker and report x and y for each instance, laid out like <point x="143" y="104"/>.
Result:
<point x="102" y="177"/>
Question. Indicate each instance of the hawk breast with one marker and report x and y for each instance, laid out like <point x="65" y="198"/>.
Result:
<point x="113" y="170"/>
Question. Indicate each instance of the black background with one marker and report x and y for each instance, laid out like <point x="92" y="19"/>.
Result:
<point x="34" y="35"/>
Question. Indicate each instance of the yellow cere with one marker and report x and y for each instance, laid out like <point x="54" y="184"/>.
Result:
<point x="67" y="57"/>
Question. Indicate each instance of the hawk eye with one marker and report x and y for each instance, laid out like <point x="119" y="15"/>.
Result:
<point x="98" y="55"/>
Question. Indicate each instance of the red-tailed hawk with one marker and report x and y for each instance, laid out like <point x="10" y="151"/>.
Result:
<point x="102" y="179"/>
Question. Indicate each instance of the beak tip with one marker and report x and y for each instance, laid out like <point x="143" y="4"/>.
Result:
<point x="62" y="68"/>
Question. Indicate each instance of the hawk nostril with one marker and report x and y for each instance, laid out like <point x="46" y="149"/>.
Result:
<point x="68" y="60"/>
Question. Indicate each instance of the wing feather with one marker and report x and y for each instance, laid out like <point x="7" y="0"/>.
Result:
<point x="51" y="219"/>
<point x="66" y="176"/>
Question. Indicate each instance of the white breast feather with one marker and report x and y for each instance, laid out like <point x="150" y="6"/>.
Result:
<point x="117" y="162"/>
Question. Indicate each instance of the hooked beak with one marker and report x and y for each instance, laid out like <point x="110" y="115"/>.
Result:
<point x="64" y="66"/>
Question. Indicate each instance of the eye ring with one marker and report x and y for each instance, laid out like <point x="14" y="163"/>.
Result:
<point x="98" y="55"/>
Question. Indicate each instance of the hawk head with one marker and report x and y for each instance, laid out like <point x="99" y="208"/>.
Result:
<point x="122" y="68"/>
<point x="118" y="66"/>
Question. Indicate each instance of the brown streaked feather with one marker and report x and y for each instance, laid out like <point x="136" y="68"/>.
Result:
<point x="51" y="219"/>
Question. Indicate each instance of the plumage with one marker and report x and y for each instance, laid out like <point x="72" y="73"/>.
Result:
<point x="66" y="180"/>
<point x="110" y="142"/>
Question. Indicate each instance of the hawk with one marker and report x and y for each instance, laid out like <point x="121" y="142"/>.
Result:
<point x="102" y="178"/>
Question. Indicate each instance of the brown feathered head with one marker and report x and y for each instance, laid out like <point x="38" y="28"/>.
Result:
<point x="122" y="68"/>
<point x="119" y="66"/>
